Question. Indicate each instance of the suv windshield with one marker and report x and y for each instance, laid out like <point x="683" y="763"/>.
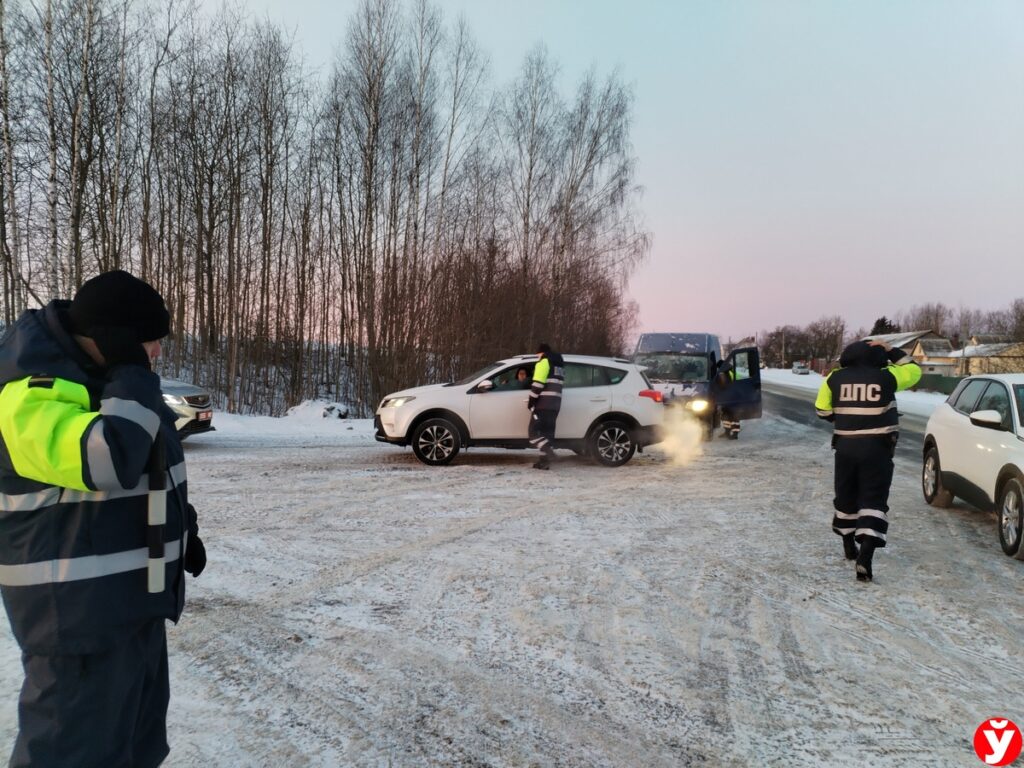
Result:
<point x="475" y="375"/>
<point x="670" y="366"/>
<point x="1018" y="390"/>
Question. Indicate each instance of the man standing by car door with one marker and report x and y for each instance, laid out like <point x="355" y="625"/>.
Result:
<point x="544" y="403"/>
<point x="95" y="526"/>
<point x="730" y="420"/>
<point x="860" y="399"/>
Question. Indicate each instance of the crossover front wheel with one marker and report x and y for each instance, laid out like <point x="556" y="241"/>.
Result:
<point x="931" y="480"/>
<point x="1011" y="518"/>
<point x="436" y="442"/>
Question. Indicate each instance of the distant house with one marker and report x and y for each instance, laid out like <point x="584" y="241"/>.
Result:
<point x="934" y="356"/>
<point x="1006" y="357"/>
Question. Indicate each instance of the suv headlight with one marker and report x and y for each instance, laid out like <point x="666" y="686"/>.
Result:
<point x="395" y="402"/>
<point x="698" y="406"/>
<point x="174" y="400"/>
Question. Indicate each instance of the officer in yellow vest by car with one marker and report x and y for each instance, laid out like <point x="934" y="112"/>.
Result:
<point x="544" y="403"/>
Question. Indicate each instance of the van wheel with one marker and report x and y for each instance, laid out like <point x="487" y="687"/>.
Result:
<point x="707" y="429"/>
<point x="436" y="442"/>
<point x="931" y="480"/>
<point x="1011" y="518"/>
<point x="611" y="443"/>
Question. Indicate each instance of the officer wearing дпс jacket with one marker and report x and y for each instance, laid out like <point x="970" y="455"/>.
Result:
<point x="860" y="399"/>
<point x="730" y="421"/>
<point x="545" y="401"/>
<point x="89" y="463"/>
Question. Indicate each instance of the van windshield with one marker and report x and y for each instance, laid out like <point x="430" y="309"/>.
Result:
<point x="673" y="367"/>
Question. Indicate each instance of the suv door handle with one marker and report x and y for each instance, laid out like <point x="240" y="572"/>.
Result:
<point x="599" y="399"/>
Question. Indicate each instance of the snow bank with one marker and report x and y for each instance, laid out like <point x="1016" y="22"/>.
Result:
<point x="313" y="419"/>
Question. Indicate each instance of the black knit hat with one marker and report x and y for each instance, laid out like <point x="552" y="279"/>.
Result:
<point x="863" y="354"/>
<point x="117" y="299"/>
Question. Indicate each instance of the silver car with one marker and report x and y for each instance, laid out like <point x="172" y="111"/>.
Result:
<point x="191" y="404"/>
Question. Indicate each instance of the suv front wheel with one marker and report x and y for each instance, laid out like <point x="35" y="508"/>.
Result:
<point x="1011" y="518"/>
<point x="931" y="480"/>
<point x="436" y="442"/>
<point x="612" y="443"/>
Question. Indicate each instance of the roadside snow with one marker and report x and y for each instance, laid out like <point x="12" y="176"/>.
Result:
<point x="363" y="609"/>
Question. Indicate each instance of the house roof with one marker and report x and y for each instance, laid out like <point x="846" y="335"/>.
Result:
<point x="898" y="339"/>
<point x="989" y="350"/>
<point x="989" y="338"/>
<point x="935" y="347"/>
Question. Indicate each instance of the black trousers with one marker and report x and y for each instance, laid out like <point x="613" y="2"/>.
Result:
<point x="730" y="423"/>
<point x="542" y="429"/>
<point x="103" y="710"/>
<point x="863" y="476"/>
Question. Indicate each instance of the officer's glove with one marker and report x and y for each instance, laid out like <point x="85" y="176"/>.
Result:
<point x="119" y="346"/>
<point x="195" y="553"/>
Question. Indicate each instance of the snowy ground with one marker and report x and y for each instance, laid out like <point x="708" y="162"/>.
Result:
<point x="363" y="609"/>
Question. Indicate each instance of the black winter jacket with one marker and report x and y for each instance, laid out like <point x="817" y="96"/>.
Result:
<point x="73" y="552"/>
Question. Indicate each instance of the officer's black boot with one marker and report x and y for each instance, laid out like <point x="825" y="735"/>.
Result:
<point x="867" y="549"/>
<point x="544" y="462"/>
<point x="849" y="547"/>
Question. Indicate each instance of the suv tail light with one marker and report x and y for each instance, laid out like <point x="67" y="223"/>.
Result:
<point x="654" y="394"/>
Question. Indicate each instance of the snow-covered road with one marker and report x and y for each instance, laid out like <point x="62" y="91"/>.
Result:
<point x="363" y="609"/>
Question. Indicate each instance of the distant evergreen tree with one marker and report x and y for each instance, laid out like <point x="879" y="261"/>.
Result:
<point x="883" y="325"/>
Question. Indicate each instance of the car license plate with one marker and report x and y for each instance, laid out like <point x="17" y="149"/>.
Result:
<point x="204" y="415"/>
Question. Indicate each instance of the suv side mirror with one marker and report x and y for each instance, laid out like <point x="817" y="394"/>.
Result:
<point x="987" y="419"/>
<point x="485" y="386"/>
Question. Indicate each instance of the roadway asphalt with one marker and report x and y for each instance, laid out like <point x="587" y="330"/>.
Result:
<point x="797" y="405"/>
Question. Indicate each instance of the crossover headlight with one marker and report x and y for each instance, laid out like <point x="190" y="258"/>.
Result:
<point x="698" y="406"/>
<point x="395" y="402"/>
<point x="174" y="400"/>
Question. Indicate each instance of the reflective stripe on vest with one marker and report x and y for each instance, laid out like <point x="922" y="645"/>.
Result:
<point x="80" y="568"/>
<point x="857" y="410"/>
<point x="30" y="502"/>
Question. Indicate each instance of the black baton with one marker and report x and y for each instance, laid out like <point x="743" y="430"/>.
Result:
<point x="157" y="515"/>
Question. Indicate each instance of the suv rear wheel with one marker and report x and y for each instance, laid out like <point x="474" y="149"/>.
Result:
<point x="436" y="442"/>
<point x="612" y="443"/>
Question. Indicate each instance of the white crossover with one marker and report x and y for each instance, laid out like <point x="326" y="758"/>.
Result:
<point x="974" y="449"/>
<point x="609" y="411"/>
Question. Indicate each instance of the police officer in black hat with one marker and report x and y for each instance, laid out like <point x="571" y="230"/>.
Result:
<point x="860" y="399"/>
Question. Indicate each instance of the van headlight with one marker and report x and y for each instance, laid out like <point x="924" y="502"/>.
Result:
<point x="698" y="406"/>
<point x="395" y="402"/>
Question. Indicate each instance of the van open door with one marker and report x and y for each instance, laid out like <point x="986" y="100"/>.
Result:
<point x="743" y="392"/>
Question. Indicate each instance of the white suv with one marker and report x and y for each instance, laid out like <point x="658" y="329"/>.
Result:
<point x="609" y="410"/>
<point x="974" y="449"/>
